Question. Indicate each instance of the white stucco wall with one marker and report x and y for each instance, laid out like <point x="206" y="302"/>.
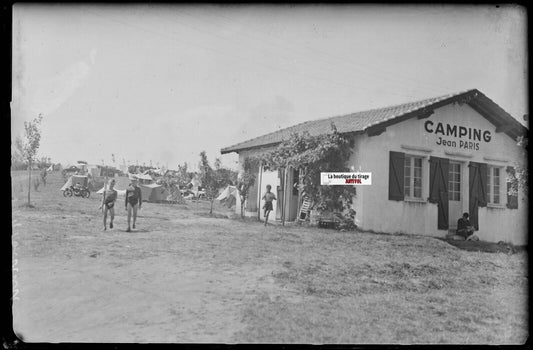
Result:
<point x="376" y="212"/>
<point x="267" y="177"/>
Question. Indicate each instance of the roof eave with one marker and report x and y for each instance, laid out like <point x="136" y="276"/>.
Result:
<point x="243" y="149"/>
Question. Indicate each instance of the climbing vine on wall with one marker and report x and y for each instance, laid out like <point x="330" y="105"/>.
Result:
<point x="313" y="155"/>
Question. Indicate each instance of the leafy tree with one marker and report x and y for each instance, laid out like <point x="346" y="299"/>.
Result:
<point x="44" y="162"/>
<point x="208" y="179"/>
<point x="183" y="176"/>
<point x="519" y="177"/>
<point x="17" y="155"/>
<point x="225" y="175"/>
<point x="313" y="155"/>
<point x="171" y="184"/>
<point x="213" y="179"/>
<point x="32" y="132"/>
<point x="246" y="180"/>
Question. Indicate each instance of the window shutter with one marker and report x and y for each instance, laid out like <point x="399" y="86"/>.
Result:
<point x="443" y="210"/>
<point x="438" y="189"/>
<point x="483" y="179"/>
<point x="433" y="180"/>
<point x="473" y="179"/>
<point x="438" y="177"/>
<point x="512" y="199"/>
<point x="396" y="176"/>
<point x="478" y="176"/>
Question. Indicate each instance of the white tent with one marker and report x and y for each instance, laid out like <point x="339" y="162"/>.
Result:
<point x="228" y="195"/>
<point x="93" y="169"/>
<point x="121" y="183"/>
<point x="227" y="192"/>
<point x="67" y="184"/>
<point x="196" y="182"/>
<point x="73" y="180"/>
<point x="119" y="192"/>
<point x="144" y="177"/>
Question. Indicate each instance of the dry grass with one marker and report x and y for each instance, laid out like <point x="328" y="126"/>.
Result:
<point x="362" y="288"/>
<point x="183" y="276"/>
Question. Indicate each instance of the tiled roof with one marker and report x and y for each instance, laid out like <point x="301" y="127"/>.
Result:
<point x="355" y="122"/>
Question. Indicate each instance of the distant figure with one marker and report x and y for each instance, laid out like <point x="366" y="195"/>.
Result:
<point x="268" y="197"/>
<point x="36" y="183"/>
<point x="463" y="227"/>
<point x="43" y="176"/>
<point x="108" y="202"/>
<point x="133" y="199"/>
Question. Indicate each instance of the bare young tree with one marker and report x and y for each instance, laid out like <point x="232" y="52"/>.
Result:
<point x="32" y="133"/>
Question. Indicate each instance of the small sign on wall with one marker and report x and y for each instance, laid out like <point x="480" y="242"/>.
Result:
<point x="327" y="179"/>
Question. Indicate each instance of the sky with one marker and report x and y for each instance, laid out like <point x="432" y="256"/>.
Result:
<point x="158" y="84"/>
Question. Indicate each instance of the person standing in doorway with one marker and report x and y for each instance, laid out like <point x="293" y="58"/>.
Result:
<point x="268" y="197"/>
<point x="133" y="201"/>
<point x="108" y="202"/>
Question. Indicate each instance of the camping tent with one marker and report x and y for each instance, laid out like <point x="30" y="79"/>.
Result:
<point x="228" y="196"/>
<point x="119" y="192"/>
<point x="121" y="183"/>
<point x="150" y="192"/>
<point x="196" y="182"/>
<point x="93" y="169"/>
<point x="175" y="194"/>
<point x="75" y="179"/>
<point x="153" y="192"/>
<point x="144" y="177"/>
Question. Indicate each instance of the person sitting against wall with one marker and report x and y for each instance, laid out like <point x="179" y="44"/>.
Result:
<point x="464" y="228"/>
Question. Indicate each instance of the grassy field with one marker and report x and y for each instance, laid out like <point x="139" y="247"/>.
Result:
<point x="183" y="276"/>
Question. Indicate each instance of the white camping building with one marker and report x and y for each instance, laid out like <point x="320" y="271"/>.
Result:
<point x="430" y="160"/>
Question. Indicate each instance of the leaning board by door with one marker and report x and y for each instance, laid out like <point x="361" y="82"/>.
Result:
<point x="303" y="215"/>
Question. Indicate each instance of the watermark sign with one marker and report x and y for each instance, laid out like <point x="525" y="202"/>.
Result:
<point x="327" y="179"/>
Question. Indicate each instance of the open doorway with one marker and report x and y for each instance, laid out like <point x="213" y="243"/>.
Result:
<point x="455" y="196"/>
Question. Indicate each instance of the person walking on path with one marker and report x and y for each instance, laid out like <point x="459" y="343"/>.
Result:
<point x="108" y="202"/>
<point x="133" y="200"/>
<point x="268" y="207"/>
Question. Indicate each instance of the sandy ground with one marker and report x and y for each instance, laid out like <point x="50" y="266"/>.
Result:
<point x="182" y="276"/>
<point x="106" y="287"/>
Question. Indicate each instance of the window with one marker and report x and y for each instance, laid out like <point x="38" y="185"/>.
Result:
<point x="493" y="185"/>
<point x="413" y="177"/>
<point x="455" y="181"/>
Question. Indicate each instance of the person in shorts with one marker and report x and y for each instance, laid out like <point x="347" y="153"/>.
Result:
<point x="133" y="201"/>
<point x="108" y="203"/>
<point x="268" y="198"/>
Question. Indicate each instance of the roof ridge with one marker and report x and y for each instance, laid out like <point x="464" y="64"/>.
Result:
<point x="389" y="107"/>
<point x="354" y="114"/>
<point x="270" y="133"/>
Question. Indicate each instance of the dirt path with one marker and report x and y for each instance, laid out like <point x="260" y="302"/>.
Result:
<point x="174" y="279"/>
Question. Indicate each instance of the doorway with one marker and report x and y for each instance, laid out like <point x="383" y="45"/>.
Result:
<point x="455" y="196"/>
